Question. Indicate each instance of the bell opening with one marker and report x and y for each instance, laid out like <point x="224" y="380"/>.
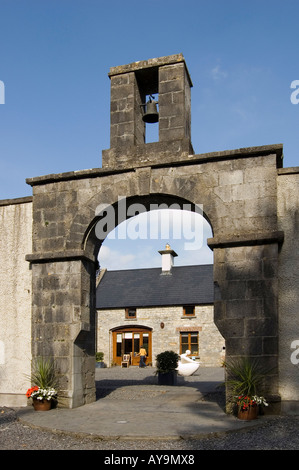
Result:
<point x="150" y="118"/>
<point x="151" y="114"/>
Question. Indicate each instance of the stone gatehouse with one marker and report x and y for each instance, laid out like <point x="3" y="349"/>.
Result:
<point x="49" y="244"/>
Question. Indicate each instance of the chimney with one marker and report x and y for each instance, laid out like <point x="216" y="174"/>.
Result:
<point x="167" y="259"/>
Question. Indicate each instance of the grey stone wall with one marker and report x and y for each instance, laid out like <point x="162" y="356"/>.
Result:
<point x="125" y="107"/>
<point x="288" y="277"/>
<point x="130" y="84"/>
<point x="63" y="324"/>
<point x="247" y="314"/>
<point x="174" y="102"/>
<point x="230" y="187"/>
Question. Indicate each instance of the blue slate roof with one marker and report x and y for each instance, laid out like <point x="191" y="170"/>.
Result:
<point x="186" y="285"/>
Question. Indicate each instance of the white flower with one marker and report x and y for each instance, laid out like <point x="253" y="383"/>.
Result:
<point x="260" y="400"/>
<point x="44" y="394"/>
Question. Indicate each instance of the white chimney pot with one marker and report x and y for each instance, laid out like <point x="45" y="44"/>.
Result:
<point x="167" y="259"/>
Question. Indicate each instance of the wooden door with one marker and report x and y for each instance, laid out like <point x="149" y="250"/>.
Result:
<point x="128" y="341"/>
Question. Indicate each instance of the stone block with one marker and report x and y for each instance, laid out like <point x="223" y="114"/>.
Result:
<point x="233" y="290"/>
<point x="261" y="327"/>
<point x="230" y="177"/>
<point x="240" y="270"/>
<point x="126" y="117"/>
<point x="172" y="85"/>
<point x="260" y="289"/>
<point x="172" y="134"/>
<point x="270" y="345"/>
<point x="242" y="346"/>
<point x="244" y="308"/>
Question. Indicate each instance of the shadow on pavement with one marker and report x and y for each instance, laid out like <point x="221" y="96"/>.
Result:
<point x="133" y="382"/>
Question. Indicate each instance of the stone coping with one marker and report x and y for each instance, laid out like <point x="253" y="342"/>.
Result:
<point x="248" y="239"/>
<point x="192" y="159"/>
<point x="58" y="256"/>
<point x="294" y="170"/>
<point x="19" y="200"/>
<point x="150" y="63"/>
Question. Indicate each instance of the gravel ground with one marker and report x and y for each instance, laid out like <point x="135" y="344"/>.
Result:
<point x="277" y="433"/>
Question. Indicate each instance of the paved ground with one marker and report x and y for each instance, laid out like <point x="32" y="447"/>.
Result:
<point x="133" y="412"/>
<point x="131" y="405"/>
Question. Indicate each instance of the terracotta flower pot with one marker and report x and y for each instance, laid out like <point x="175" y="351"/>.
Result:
<point x="41" y="405"/>
<point x="250" y="413"/>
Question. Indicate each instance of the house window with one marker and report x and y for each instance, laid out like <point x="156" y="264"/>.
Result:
<point x="189" y="340"/>
<point x="131" y="313"/>
<point x="189" y="311"/>
<point x="119" y="339"/>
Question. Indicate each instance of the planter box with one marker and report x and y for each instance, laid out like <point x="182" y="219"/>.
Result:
<point x="100" y="365"/>
<point x="169" y="378"/>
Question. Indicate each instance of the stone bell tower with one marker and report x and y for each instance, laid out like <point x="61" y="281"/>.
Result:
<point x="167" y="77"/>
<point x="245" y="194"/>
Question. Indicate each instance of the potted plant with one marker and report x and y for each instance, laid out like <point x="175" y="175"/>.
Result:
<point x="100" y="359"/>
<point x="41" y="397"/>
<point x="248" y="407"/>
<point x="167" y="363"/>
<point x="44" y="391"/>
<point x="245" y="377"/>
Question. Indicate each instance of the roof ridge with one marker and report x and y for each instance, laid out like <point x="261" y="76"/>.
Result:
<point x="158" y="268"/>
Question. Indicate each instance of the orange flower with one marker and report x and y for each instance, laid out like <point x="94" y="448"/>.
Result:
<point x="31" y="390"/>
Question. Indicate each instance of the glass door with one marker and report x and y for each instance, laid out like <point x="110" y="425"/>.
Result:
<point x="129" y="341"/>
<point x="141" y="338"/>
<point x="135" y="358"/>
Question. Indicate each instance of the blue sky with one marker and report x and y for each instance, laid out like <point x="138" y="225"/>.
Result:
<point x="55" y="56"/>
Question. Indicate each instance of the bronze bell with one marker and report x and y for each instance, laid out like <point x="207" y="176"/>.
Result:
<point x="151" y="115"/>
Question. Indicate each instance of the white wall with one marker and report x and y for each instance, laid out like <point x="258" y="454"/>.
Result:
<point x="15" y="305"/>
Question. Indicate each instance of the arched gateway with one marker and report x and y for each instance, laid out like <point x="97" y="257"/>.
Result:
<point x="237" y="191"/>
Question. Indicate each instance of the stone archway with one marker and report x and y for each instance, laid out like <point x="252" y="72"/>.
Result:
<point x="238" y="194"/>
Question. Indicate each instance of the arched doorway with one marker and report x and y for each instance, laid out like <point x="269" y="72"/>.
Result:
<point x="128" y="340"/>
<point x="118" y="288"/>
<point x="187" y="232"/>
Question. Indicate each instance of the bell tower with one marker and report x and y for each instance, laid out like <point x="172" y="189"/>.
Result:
<point x="133" y="92"/>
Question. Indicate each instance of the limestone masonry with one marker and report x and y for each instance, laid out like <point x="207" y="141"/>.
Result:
<point x="251" y="201"/>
